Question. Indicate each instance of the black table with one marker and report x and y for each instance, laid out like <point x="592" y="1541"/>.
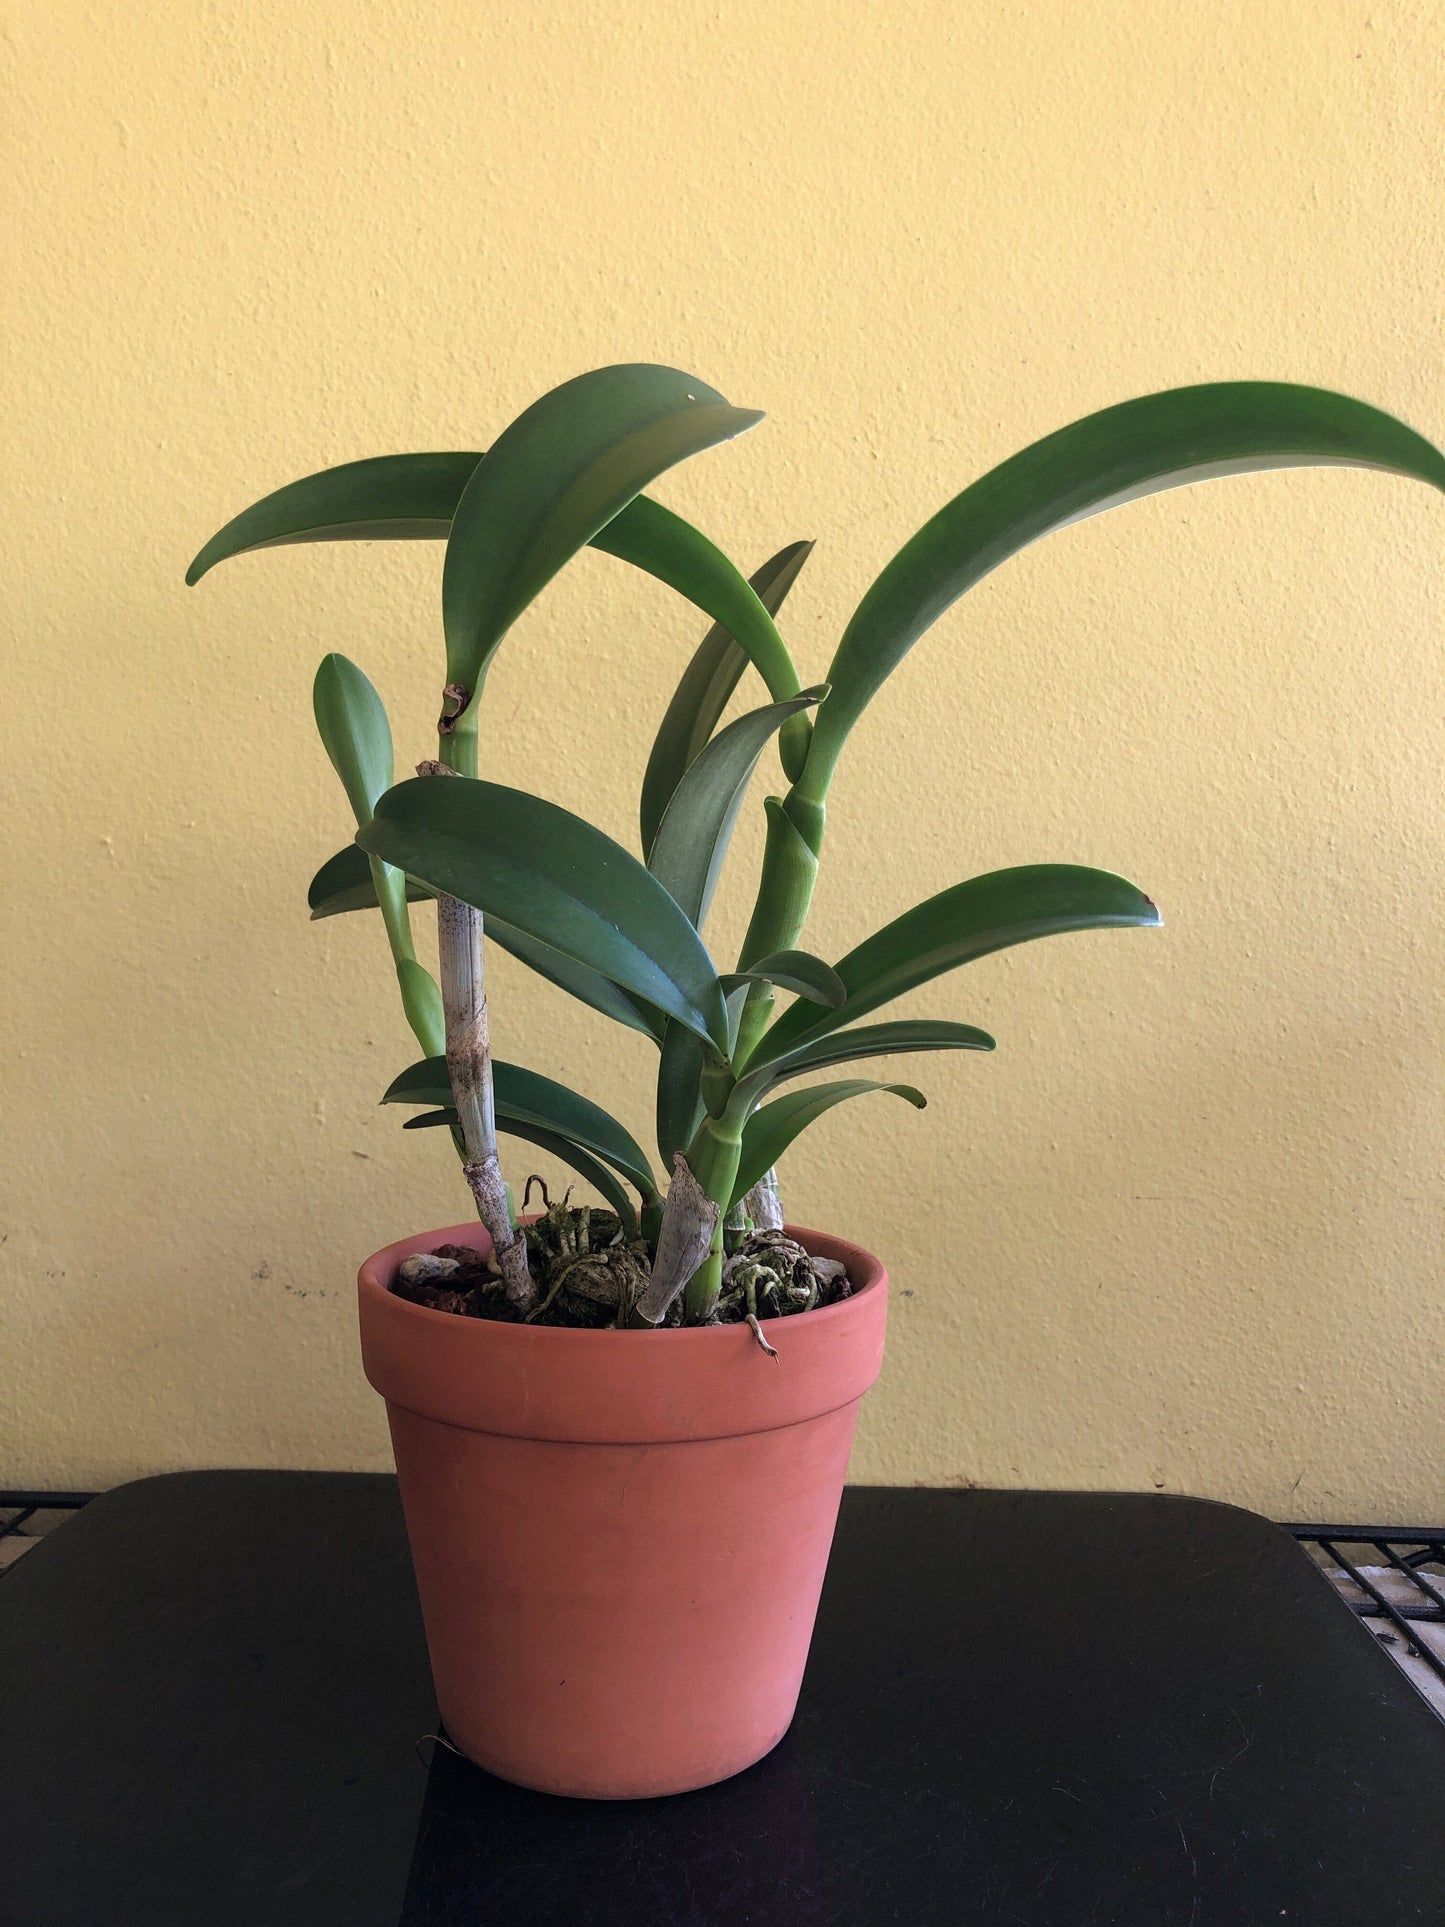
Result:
<point x="1021" y="1708"/>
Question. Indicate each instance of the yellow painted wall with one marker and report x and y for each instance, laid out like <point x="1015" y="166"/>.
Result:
<point x="1185" y="1230"/>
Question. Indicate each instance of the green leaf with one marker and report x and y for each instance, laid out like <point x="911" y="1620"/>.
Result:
<point x="901" y="1038"/>
<point x="693" y="837"/>
<point x="971" y="920"/>
<point x="1136" y="448"/>
<point x="524" y="1097"/>
<point x="769" y="1131"/>
<point x="587" y="1167"/>
<point x="652" y="537"/>
<point x="556" y="477"/>
<point x="796" y="970"/>
<point x="385" y="498"/>
<point x="344" y="883"/>
<point x="588" y="986"/>
<point x="680" y="1104"/>
<point x="351" y="719"/>
<point x="706" y="686"/>
<point x="679" y="1092"/>
<point x="556" y="879"/>
<point x="415" y="497"/>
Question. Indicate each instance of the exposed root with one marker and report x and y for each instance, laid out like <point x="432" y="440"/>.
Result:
<point x="757" y="1331"/>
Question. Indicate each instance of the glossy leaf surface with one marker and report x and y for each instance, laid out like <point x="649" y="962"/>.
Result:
<point x="706" y="686"/>
<point x="769" y="1131"/>
<point x="1133" y="449"/>
<point x="556" y="879"/>
<point x="523" y="1096"/>
<point x="552" y="480"/>
<point x="971" y="920"/>
<point x="693" y="837"/>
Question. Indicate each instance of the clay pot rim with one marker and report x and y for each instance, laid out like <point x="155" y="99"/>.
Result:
<point x="376" y="1273"/>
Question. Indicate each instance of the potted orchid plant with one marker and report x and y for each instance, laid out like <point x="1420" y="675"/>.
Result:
<point x="621" y="1426"/>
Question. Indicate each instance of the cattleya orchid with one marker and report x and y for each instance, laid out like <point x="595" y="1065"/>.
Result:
<point x="623" y="932"/>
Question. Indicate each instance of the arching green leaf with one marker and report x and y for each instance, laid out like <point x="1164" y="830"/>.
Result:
<point x="706" y="686"/>
<point x="556" y="477"/>
<point x="971" y="920"/>
<point x="693" y="837"/>
<point x="588" y="986"/>
<point x="525" y="1097"/>
<point x="344" y="883"/>
<point x="652" y="537"/>
<point x="351" y="719"/>
<point x="555" y="878"/>
<point x="901" y="1038"/>
<point x="796" y="970"/>
<point x="394" y="498"/>
<point x="587" y="1167"/>
<point x="769" y="1131"/>
<point x="1136" y="448"/>
<point x="415" y="497"/>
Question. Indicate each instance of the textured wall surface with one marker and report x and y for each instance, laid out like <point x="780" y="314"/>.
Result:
<point x="1185" y="1229"/>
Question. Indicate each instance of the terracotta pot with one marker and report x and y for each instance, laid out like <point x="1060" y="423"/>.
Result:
<point x="619" y="1537"/>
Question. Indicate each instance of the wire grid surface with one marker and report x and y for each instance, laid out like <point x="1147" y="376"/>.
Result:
<point x="26" y="1517"/>
<point x="1393" y="1580"/>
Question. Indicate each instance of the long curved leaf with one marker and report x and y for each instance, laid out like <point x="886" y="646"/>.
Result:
<point x="707" y="684"/>
<point x="683" y="557"/>
<point x="415" y="497"/>
<point x="769" y="1131"/>
<point x="971" y="920"/>
<point x="902" y="1038"/>
<point x="588" y="986"/>
<point x="582" y="1162"/>
<point x="557" y="879"/>
<point x="344" y="883"/>
<point x="1135" y="448"/>
<point x="796" y="970"/>
<point x="526" y="1097"/>
<point x="552" y="480"/>
<point x="393" y="498"/>
<point x="692" y="839"/>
